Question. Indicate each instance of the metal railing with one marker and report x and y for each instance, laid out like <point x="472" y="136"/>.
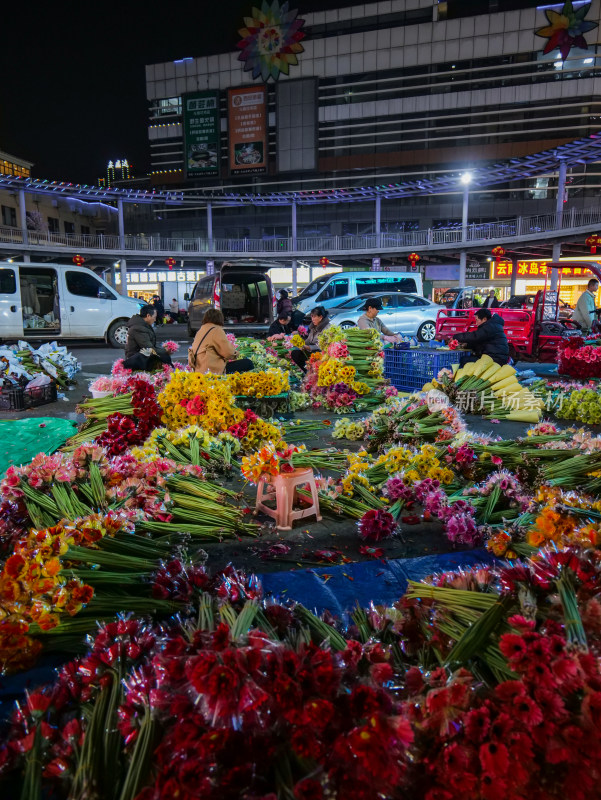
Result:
<point x="518" y="229"/>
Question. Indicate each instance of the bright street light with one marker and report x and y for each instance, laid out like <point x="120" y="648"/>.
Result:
<point x="466" y="178"/>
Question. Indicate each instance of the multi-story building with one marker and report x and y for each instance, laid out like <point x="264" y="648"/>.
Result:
<point x="117" y="171"/>
<point x="14" y="167"/>
<point x="382" y="92"/>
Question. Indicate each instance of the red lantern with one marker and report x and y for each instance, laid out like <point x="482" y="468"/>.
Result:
<point x="498" y="253"/>
<point x="594" y="242"/>
<point x="323" y="261"/>
<point x="78" y="261"/>
<point x="413" y="259"/>
<point x="170" y="262"/>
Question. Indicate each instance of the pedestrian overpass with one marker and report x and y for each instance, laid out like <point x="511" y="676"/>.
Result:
<point x="509" y="233"/>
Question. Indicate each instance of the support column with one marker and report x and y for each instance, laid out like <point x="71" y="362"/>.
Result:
<point x="464" y="220"/>
<point x="462" y="268"/>
<point x="210" y="224"/>
<point x="293" y="208"/>
<point x="23" y="217"/>
<point x="378" y="220"/>
<point x="123" y="263"/>
<point x="294" y="276"/>
<point x="514" y="275"/>
<point x="113" y="276"/>
<point x="123" y="273"/>
<point x="559" y="205"/>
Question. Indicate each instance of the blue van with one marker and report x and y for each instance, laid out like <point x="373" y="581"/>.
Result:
<point x="333" y="289"/>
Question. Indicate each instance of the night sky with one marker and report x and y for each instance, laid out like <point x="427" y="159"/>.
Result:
<point x="73" y="93"/>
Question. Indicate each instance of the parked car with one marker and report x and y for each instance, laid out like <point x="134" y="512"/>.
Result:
<point x="242" y="290"/>
<point x="402" y="313"/>
<point x="50" y="302"/>
<point x="526" y="301"/>
<point x="333" y="289"/>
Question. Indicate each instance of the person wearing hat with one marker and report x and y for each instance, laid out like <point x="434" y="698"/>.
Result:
<point x="370" y="320"/>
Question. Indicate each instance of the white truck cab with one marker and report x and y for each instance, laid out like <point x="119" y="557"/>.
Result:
<point x="58" y="301"/>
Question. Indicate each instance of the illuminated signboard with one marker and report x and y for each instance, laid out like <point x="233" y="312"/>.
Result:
<point x="534" y="269"/>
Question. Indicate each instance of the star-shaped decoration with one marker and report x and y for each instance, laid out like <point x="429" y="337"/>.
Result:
<point x="566" y="29"/>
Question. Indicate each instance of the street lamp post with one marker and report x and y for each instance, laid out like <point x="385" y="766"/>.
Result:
<point x="559" y="201"/>
<point x="466" y="179"/>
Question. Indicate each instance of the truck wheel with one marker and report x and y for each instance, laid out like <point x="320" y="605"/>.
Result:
<point x="191" y="333"/>
<point x="346" y="325"/>
<point x="117" y="334"/>
<point x="426" y="331"/>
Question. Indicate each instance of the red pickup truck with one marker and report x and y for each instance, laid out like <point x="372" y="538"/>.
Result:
<point x="533" y="335"/>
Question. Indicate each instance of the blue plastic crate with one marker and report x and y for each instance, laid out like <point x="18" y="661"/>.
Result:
<point x="409" y="370"/>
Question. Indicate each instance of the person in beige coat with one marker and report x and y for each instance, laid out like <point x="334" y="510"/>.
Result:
<point x="212" y="351"/>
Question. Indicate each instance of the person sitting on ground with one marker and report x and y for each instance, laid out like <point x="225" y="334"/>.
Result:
<point x="174" y="308"/>
<point x="488" y="339"/>
<point x="319" y="322"/>
<point x="370" y="321"/>
<point x="491" y="301"/>
<point x="212" y="351"/>
<point x="280" y="325"/>
<point x="284" y="303"/>
<point x="584" y="313"/>
<point x="141" y="351"/>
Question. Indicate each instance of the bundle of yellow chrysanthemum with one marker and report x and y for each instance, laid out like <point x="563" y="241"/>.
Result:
<point x="259" y="384"/>
<point x="191" y="398"/>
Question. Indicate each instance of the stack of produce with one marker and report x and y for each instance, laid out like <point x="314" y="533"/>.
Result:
<point x="483" y="386"/>
<point x="22" y="362"/>
<point x="348" y="371"/>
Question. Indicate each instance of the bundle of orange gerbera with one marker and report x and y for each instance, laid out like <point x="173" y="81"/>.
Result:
<point x="76" y="568"/>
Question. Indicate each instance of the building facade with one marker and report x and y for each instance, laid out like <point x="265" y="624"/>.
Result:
<point x="383" y="92"/>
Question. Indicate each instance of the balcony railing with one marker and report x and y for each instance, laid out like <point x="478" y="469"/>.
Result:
<point x="477" y="234"/>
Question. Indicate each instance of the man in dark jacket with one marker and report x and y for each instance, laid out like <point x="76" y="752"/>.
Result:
<point x="141" y="351"/>
<point x="157" y="304"/>
<point x="491" y="301"/>
<point x="488" y="339"/>
<point x="280" y="325"/>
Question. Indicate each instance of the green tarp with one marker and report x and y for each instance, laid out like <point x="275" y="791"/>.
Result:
<point x="22" y="439"/>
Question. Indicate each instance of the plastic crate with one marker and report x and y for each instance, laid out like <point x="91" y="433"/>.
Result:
<point x="39" y="395"/>
<point x="409" y="370"/>
<point x="11" y="399"/>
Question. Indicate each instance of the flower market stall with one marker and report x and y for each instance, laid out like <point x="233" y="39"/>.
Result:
<point x="475" y="676"/>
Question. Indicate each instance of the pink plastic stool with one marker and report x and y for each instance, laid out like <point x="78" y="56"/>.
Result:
<point x="284" y="486"/>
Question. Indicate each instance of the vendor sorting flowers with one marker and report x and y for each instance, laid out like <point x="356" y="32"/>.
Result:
<point x="319" y="322"/>
<point x="370" y="320"/>
<point x="211" y="350"/>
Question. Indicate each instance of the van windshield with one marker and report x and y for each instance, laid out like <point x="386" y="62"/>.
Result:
<point x="314" y="287"/>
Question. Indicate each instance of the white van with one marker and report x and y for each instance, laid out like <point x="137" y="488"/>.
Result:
<point x="333" y="289"/>
<point x="57" y="301"/>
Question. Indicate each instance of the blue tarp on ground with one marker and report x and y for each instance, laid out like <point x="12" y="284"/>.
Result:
<point x="380" y="582"/>
<point x="364" y="582"/>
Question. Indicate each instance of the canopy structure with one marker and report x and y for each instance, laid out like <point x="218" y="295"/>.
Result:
<point x="580" y="151"/>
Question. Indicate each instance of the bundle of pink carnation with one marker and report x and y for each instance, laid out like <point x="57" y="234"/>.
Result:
<point x="171" y="346"/>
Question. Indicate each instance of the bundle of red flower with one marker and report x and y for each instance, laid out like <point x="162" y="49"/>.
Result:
<point x="125" y="431"/>
<point x="578" y="359"/>
<point x="240" y="701"/>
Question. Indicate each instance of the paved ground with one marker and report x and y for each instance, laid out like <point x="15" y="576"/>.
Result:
<point x="305" y="539"/>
